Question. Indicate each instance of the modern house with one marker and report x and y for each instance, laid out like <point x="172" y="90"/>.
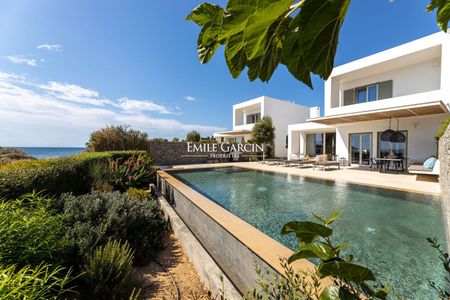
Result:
<point x="283" y="113"/>
<point x="405" y="88"/>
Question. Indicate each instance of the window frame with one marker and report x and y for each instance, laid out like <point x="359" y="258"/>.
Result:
<point x="366" y="89"/>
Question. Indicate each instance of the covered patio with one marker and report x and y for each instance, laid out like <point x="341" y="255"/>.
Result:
<point x="233" y="136"/>
<point x="311" y="139"/>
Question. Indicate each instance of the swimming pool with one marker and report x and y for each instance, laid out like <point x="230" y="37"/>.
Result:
<point x="386" y="229"/>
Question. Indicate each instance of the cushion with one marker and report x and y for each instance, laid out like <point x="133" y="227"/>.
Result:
<point x="429" y="163"/>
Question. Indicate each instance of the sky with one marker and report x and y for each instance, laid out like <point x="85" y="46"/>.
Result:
<point x="70" y="67"/>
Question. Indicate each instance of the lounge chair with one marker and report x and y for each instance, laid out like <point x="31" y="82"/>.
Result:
<point x="326" y="164"/>
<point x="323" y="163"/>
<point x="421" y="170"/>
<point x="305" y="162"/>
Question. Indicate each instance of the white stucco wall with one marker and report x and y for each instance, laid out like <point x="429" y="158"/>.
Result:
<point x="420" y="66"/>
<point x="421" y="130"/>
<point x="283" y="114"/>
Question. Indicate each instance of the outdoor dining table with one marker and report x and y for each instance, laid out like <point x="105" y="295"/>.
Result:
<point x="386" y="161"/>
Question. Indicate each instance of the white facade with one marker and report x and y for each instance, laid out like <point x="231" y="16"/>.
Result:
<point x="283" y="113"/>
<point x="409" y="84"/>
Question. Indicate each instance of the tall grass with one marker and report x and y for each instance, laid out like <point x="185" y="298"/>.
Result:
<point x="34" y="283"/>
<point x="30" y="233"/>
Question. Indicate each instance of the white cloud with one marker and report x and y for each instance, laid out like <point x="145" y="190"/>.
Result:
<point x="189" y="98"/>
<point x="73" y="93"/>
<point x="64" y="114"/>
<point x="142" y="106"/>
<point x="50" y="47"/>
<point x="21" y="59"/>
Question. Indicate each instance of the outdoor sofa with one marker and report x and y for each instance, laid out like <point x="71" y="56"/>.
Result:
<point x="421" y="170"/>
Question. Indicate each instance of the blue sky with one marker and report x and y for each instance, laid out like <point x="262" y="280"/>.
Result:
<point x="70" y="67"/>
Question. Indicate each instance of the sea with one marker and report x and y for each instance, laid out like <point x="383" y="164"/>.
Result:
<point x="51" y="152"/>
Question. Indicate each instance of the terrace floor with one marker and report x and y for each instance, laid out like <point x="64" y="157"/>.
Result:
<point x="402" y="182"/>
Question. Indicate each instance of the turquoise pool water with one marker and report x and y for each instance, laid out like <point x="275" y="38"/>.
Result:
<point x="386" y="229"/>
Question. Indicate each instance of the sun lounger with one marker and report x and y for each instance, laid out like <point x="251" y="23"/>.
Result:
<point x="326" y="164"/>
<point x="303" y="163"/>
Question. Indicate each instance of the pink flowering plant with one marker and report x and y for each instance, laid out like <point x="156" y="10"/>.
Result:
<point x="135" y="172"/>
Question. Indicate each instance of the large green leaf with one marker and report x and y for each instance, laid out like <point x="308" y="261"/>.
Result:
<point x="443" y="12"/>
<point x="236" y="16"/>
<point x="349" y="271"/>
<point x="205" y="51"/>
<point x="255" y="33"/>
<point x="329" y="219"/>
<point x="319" y="24"/>
<point x="237" y="63"/>
<point x="204" y="13"/>
<point x="312" y="250"/>
<point x="334" y="292"/>
<point x="306" y="231"/>
<point x="292" y="57"/>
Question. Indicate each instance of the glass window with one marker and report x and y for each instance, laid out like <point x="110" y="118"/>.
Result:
<point x="314" y="144"/>
<point x="392" y="149"/>
<point x="372" y="93"/>
<point x="361" y="95"/>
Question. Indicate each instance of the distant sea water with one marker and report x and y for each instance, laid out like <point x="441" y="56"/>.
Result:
<point x="52" y="152"/>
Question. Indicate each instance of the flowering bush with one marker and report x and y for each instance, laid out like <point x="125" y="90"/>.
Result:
<point x="135" y="172"/>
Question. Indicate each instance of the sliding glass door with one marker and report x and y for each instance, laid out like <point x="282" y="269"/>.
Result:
<point x="360" y="148"/>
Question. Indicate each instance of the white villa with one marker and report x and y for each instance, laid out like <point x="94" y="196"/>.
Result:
<point x="408" y="85"/>
<point x="283" y="113"/>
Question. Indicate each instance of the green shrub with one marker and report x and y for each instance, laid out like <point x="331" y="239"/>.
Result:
<point x="8" y="155"/>
<point x="193" y="136"/>
<point x="117" y="138"/>
<point x="34" y="283"/>
<point x="95" y="218"/>
<point x="135" y="172"/>
<point x="76" y="174"/>
<point x="108" y="268"/>
<point x="30" y="233"/>
<point x="442" y="129"/>
<point x="139" y="193"/>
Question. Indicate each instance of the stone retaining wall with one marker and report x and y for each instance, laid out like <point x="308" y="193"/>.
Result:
<point x="176" y="153"/>
<point x="444" y="179"/>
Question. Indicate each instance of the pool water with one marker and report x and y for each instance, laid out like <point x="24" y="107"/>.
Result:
<point x="386" y="229"/>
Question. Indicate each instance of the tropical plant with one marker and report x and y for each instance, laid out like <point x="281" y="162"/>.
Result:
<point x="443" y="293"/>
<point x="193" y="136"/>
<point x="93" y="219"/>
<point x="350" y="280"/>
<point x="41" y="282"/>
<point x="442" y="8"/>
<point x="135" y="172"/>
<point x="260" y="35"/>
<point x="117" y="138"/>
<point x="294" y="285"/>
<point x="108" y="269"/>
<point x="263" y="132"/>
<point x="30" y="232"/>
<point x="175" y="139"/>
<point x="442" y="129"/>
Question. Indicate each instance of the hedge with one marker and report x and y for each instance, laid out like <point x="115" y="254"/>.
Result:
<point x="76" y="174"/>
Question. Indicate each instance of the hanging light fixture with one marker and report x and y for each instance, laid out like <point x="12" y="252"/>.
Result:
<point x="398" y="136"/>
<point x="386" y="136"/>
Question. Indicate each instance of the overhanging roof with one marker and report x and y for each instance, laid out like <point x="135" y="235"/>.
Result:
<point x="430" y="108"/>
<point x="233" y="133"/>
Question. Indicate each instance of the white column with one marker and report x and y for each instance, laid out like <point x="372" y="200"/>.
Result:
<point x="244" y="117"/>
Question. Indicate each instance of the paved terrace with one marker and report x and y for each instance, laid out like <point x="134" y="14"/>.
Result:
<point x="402" y="182"/>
